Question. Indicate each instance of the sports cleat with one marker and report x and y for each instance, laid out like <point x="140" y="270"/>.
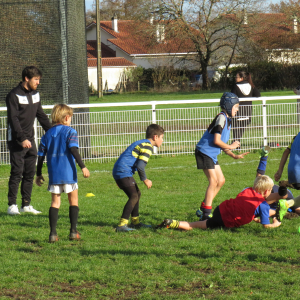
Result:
<point x="139" y="225"/>
<point x="124" y="228"/>
<point x="13" y="210"/>
<point x="30" y="209"/>
<point x="74" y="236"/>
<point x="201" y="216"/>
<point x="264" y="151"/>
<point x="53" y="238"/>
<point x="168" y="223"/>
<point x="282" y="208"/>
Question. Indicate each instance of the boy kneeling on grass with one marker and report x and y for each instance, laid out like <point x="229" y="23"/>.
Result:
<point x="250" y="204"/>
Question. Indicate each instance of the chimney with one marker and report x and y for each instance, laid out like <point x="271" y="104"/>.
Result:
<point x="295" y="26"/>
<point x="160" y="33"/>
<point x="245" y="16"/>
<point x="114" y="23"/>
<point x="151" y="20"/>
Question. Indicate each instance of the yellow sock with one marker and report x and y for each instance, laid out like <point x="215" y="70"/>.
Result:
<point x="135" y="220"/>
<point x="123" y="222"/>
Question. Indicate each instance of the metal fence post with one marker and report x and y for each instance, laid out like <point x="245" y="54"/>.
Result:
<point x="264" y="111"/>
<point x="154" y="121"/>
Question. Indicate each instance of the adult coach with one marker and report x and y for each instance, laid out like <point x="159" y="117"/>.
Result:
<point x="23" y="106"/>
<point x="243" y="88"/>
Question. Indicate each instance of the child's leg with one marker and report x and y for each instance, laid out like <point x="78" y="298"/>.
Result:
<point x="132" y="205"/>
<point x="216" y="180"/>
<point x="53" y="213"/>
<point x="73" y="209"/>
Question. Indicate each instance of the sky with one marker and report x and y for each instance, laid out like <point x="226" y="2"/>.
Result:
<point x="88" y="3"/>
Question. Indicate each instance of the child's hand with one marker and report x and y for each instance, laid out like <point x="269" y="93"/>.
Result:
<point x="148" y="183"/>
<point x="277" y="175"/>
<point x="235" y="145"/>
<point x="39" y="180"/>
<point x="241" y="155"/>
<point x="85" y="172"/>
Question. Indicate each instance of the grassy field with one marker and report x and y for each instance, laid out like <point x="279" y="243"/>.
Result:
<point x="245" y="263"/>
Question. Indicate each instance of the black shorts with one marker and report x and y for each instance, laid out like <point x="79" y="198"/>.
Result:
<point x="203" y="161"/>
<point x="125" y="182"/>
<point x="216" y="220"/>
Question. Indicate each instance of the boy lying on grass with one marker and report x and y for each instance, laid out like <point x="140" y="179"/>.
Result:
<point x="249" y="204"/>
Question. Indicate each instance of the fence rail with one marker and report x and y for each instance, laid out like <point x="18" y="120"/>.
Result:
<point x="103" y="135"/>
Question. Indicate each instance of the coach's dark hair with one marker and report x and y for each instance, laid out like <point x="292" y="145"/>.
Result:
<point x="246" y="76"/>
<point x="31" y="72"/>
<point x="153" y="130"/>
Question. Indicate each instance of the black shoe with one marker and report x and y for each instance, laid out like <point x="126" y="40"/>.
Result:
<point x="165" y="223"/>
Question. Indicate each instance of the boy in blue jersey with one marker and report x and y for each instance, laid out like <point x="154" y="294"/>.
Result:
<point x="209" y="147"/>
<point x="60" y="144"/>
<point x="293" y="168"/>
<point x="135" y="158"/>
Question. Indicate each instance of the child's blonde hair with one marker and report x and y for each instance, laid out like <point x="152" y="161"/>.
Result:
<point x="263" y="183"/>
<point x="59" y="112"/>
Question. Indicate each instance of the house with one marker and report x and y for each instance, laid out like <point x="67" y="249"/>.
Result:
<point x="131" y="43"/>
<point x="277" y="34"/>
<point x="113" y="68"/>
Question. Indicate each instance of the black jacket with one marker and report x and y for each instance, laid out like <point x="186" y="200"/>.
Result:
<point x="23" y="107"/>
<point x="243" y="89"/>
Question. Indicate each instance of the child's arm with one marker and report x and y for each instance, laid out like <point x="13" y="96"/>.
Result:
<point x="283" y="160"/>
<point x="140" y="165"/>
<point x="218" y="142"/>
<point x="75" y="153"/>
<point x="235" y="156"/>
<point x="39" y="180"/>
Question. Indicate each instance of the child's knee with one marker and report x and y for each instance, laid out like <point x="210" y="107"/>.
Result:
<point x="221" y="182"/>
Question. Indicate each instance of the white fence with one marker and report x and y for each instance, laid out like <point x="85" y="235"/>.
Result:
<point x="104" y="134"/>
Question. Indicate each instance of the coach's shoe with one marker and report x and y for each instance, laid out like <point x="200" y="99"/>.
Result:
<point x="74" y="236"/>
<point x="282" y="208"/>
<point x="168" y="223"/>
<point x="30" y="209"/>
<point x="124" y="228"/>
<point x="53" y="238"/>
<point x="13" y="210"/>
<point x="139" y="225"/>
<point x="264" y="151"/>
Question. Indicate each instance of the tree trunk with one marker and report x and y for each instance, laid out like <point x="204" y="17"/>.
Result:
<point x="204" y="77"/>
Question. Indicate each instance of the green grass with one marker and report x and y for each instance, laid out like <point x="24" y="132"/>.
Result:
<point x="245" y="263"/>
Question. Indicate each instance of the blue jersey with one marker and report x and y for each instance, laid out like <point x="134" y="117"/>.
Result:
<point x="221" y="124"/>
<point x="56" y="144"/>
<point x="125" y="166"/>
<point x="294" y="163"/>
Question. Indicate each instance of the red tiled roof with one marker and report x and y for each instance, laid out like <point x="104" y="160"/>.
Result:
<point x="92" y="50"/>
<point x="271" y="30"/>
<point x="139" y="38"/>
<point x="111" y="62"/>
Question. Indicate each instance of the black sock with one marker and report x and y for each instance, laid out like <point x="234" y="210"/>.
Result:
<point x="53" y="217"/>
<point x="206" y="212"/>
<point x="73" y="215"/>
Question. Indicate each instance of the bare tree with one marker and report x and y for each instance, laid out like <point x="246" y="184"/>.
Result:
<point x="207" y="25"/>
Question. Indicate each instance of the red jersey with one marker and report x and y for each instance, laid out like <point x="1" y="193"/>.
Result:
<point x="240" y="211"/>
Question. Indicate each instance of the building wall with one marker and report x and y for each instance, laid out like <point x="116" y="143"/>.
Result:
<point x="113" y="75"/>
